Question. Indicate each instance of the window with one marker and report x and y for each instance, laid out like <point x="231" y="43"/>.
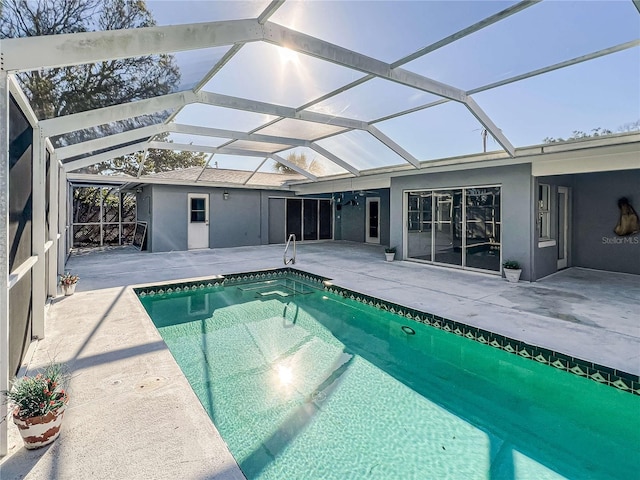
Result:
<point x="198" y="210"/>
<point x="544" y="219"/>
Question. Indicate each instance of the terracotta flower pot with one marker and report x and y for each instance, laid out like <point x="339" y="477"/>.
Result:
<point x="39" y="431"/>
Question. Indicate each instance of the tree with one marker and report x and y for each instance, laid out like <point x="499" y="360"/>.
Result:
<point x="62" y="91"/>
<point x="300" y="160"/>
<point x="156" y="161"/>
<point x="595" y="132"/>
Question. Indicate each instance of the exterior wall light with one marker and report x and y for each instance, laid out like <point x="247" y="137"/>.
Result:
<point x="225" y="195"/>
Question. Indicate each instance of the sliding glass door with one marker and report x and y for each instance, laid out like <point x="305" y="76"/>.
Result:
<point x="447" y="227"/>
<point x="459" y="227"/>
<point x="307" y="219"/>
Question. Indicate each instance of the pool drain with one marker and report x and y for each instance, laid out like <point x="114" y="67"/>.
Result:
<point x="408" y="330"/>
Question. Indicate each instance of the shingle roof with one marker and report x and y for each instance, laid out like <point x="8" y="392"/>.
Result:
<point x="221" y="175"/>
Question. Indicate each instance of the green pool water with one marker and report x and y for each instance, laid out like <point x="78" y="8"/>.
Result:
<point x="302" y="384"/>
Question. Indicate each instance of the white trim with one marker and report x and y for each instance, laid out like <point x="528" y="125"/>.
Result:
<point x="546" y="243"/>
<point x="603" y="159"/>
<point x="367" y="226"/>
<point x="564" y="233"/>
<point x="48" y="245"/>
<point x="207" y="223"/>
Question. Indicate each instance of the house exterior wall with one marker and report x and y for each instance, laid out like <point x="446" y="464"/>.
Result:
<point x="517" y="206"/>
<point x="351" y="220"/>
<point x="235" y="222"/>
<point x="241" y="220"/>
<point x="595" y="215"/>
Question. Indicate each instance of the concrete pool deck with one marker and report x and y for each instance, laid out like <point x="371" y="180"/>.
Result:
<point x="133" y="415"/>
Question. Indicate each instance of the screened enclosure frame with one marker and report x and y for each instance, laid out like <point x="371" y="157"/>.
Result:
<point x="225" y="40"/>
<point x="24" y="54"/>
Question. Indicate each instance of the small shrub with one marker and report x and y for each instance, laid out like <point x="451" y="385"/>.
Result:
<point x="40" y="394"/>
<point x="511" y="265"/>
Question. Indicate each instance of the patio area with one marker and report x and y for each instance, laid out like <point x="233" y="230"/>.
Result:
<point x="133" y="415"/>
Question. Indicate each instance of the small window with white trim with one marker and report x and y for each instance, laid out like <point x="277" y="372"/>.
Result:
<point x="544" y="218"/>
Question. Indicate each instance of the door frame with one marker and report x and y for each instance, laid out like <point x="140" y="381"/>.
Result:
<point x="563" y="230"/>
<point x="367" y="238"/>
<point x="190" y="196"/>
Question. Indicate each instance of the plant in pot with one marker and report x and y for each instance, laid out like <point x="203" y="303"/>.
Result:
<point x="38" y="403"/>
<point x="390" y="253"/>
<point x="68" y="282"/>
<point x="512" y="270"/>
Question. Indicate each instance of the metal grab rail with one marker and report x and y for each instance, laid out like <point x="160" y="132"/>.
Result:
<point x="292" y="260"/>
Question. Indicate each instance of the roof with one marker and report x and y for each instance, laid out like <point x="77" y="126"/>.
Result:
<point x="223" y="176"/>
<point x="357" y="87"/>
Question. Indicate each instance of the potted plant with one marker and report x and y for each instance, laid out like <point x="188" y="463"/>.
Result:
<point x="68" y="282"/>
<point x="39" y="403"/>
<point x="390" y="253"/>
<point x="512" y="270"/>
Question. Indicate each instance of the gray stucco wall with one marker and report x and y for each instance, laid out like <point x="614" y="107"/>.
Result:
<point x="517" y="206"/>
<point x="235" y="222"/>
<point x="350" y="220"/>
<point x="240" y="220"/>
<point x="595" y="214"/>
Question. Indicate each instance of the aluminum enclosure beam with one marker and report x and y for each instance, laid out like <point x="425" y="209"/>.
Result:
<point x="101" y="157"/>
<point x="253" y="106"/>
<point x="21" y="99"/>
<point x="294" y="167"/>
<point x="38" y="237"/>
<point x="110" y="141"/>
<point x="327" y="154"/>
<point x="4" y="256"/>
<point x="482" y="117"/>
<point x="235" y="135"/>
<point x="300" y="42"/>
<point x="507" y="12"/>
<point x="394" y="146"/>
<point x="33" y="53"/>
<point x="101" y="116"/>
<point x="306" y="44"/>
<point x="206" y="149"/>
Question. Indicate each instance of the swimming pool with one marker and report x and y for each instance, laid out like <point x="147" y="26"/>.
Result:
<point x="304" y="383"/>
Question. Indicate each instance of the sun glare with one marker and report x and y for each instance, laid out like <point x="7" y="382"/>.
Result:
<point x="285" y="375"/>
<point x="288" y="56"/>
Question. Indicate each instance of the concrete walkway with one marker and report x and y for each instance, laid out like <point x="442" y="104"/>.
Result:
<point x="133" y="415"/>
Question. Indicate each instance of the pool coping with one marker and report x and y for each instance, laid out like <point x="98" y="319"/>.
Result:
<point x="612" y="377"/>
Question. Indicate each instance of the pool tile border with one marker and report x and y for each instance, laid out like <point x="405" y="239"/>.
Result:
<point x="598" y="373"/>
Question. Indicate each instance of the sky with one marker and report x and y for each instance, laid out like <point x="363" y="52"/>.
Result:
<point x="604" y="92"/>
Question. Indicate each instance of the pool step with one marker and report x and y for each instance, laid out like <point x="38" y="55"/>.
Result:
<point x="278" y="287"/>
